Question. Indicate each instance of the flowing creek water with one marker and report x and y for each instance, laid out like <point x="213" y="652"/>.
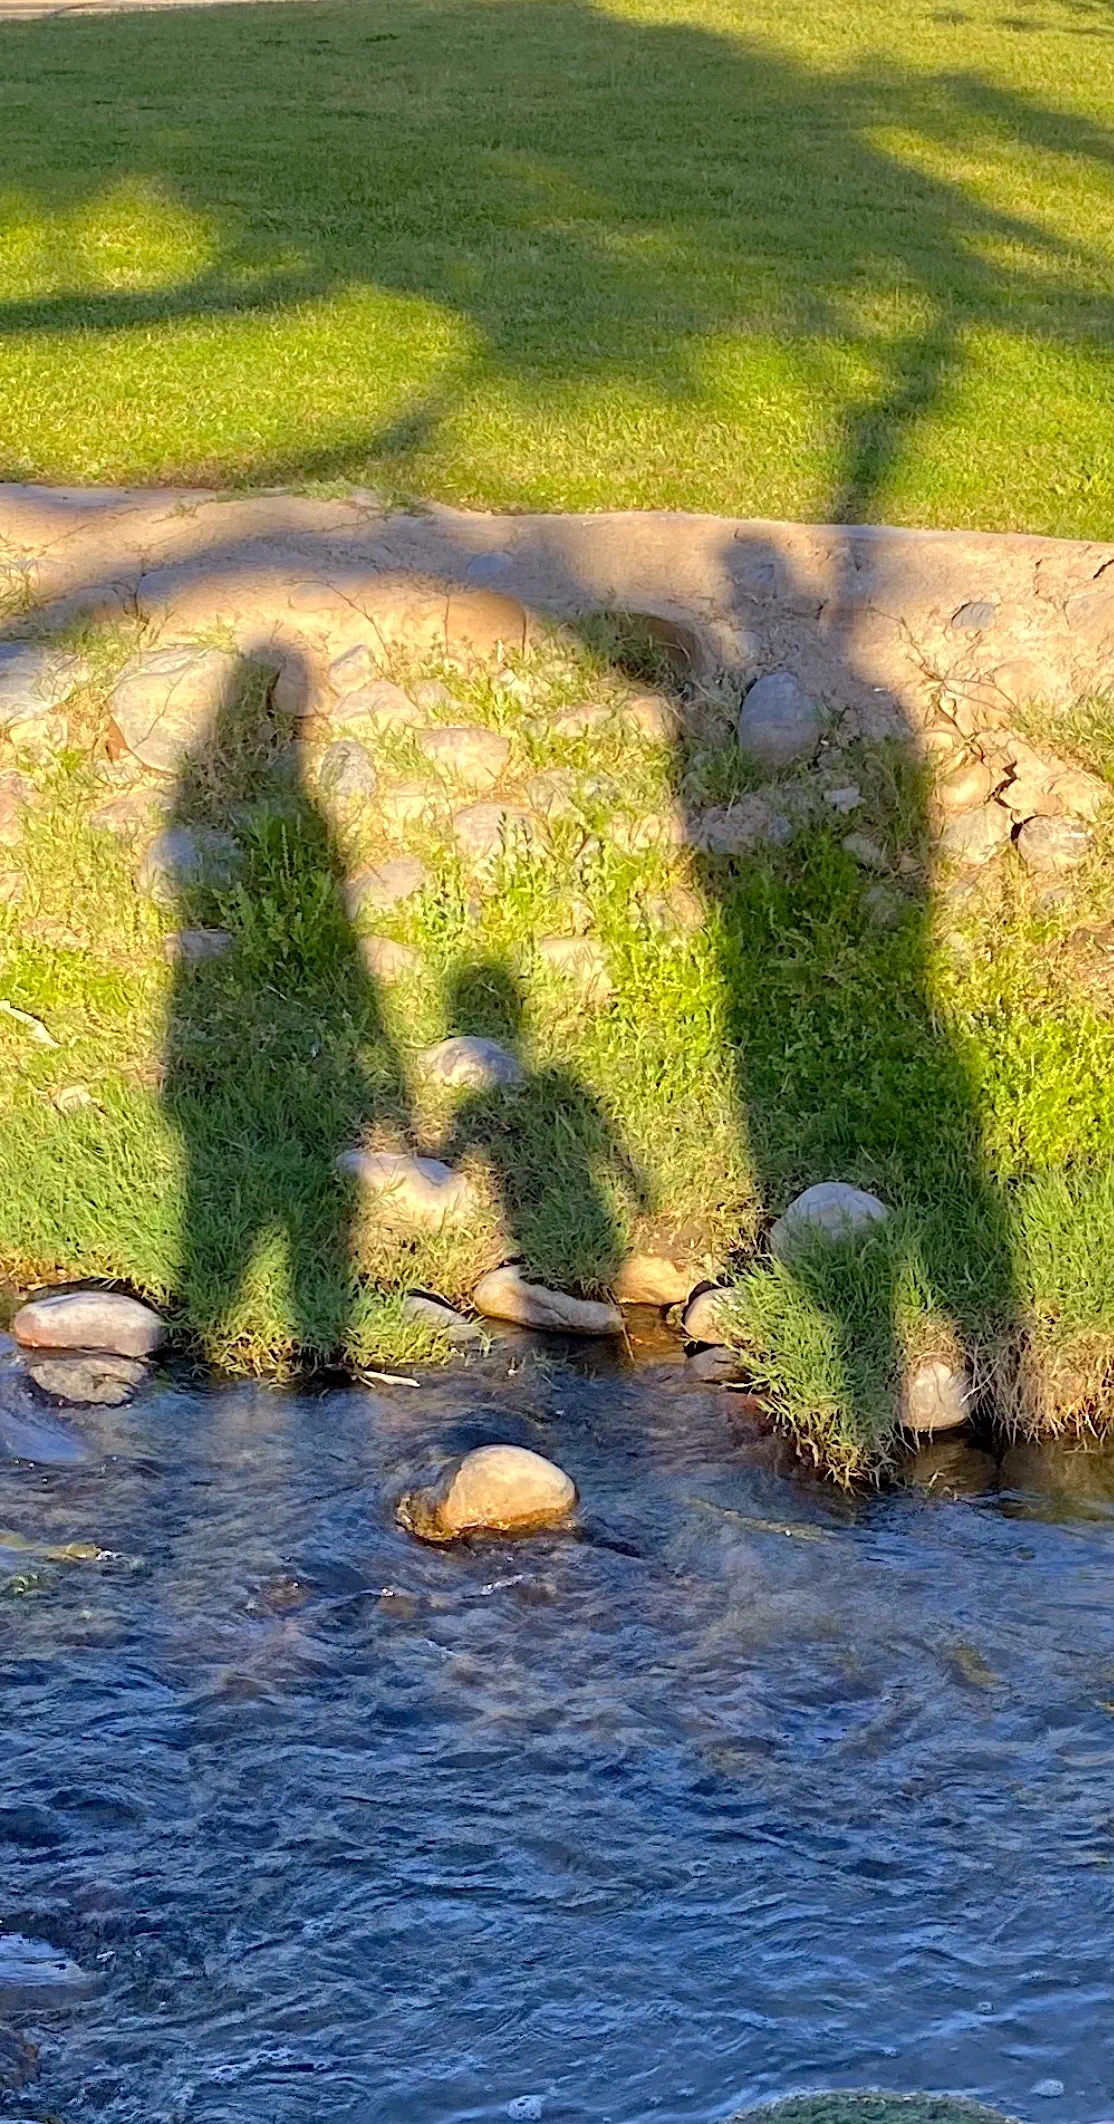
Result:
<point x="744" y="1787"/>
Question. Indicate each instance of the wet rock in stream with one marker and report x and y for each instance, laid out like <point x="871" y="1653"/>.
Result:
<point x="496" y="1489"/>
<point x="87" y="1378"/>
<point x="27" y="1436"/>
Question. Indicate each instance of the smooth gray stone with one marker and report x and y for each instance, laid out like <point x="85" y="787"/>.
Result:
<point x="434" y="1313"/>
<point x="87" y="1378"/>
<point x="466" y="1059"/>
<point x="346" y="773"/>
<point x="778" y="721"/>
<point x="89" y="1320"/>
<point x="34" y="679"/>
<point x="183" y="856"/>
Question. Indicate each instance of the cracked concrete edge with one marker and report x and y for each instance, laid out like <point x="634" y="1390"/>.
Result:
<point x="896" y="624"/>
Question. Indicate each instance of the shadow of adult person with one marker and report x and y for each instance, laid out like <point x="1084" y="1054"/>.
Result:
<point x="278" y="1055"/>
<point x="826" y="892"/>
<point x="566" y="1186"/>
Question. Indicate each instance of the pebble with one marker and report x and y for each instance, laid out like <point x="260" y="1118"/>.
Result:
<point x="935" y="1396"/>
<point x="419" y="1194"/>
<point x="165" y="700"/>
<point x="975" y="836"/>
<point x="470" y="755"/>
<point x="383" y="705"/>
<point x="385" y="887"/>
<point x="581" y="960"/>
<point x="832" y="1209"/>
<point x="386" y="960"/>
<point x="701" y="1320"/>
<point x="435" y="1313"/>
<point x="482" y="831"/>
<point x="90" y="1378"/>
<point x="497" y="1489"/>
<point x="465" y="1059"/>
<point x="345" y="773"/>
<point x="1054" y="845"/>
<point x="652" y="1279"/>
<point x="35" y="679"/>
<point x="185" y="856"/>
<point x="89" y="1320"/>
<point x="778" y="721"/>
<point x="192" y="946"/>
<point x="1051" y="2090"/>
<point x="505" y="1294"/>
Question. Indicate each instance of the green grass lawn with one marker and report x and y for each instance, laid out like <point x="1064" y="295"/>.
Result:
<point x="731" y="255"/>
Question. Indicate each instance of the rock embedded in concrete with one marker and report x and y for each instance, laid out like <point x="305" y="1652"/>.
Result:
<point x="1051" y="846"/>
<point x="935" y="1396"/>
<point x="14" y="793"/>
<point x="478" y="622"/>
<point x="416" y="1194"/>
<point x="407" y="804"/>
<point x="165" y="701"/>
<point x="703" y="1317"/>
<point x="185" y="856"/>
<point x="466" y="1059"/>
<point x="483" y="831"/>
<point x="832" y="1209"/>
<point x="653" y="716"/>
<point x="652" y="1279"/>
<point x="39" y="738"/>
<point x="387" y="960"/>
<point x="383" y="706"/>
<point x="134" y="811"/>
<point x="498" y="1489"/>
<point x="386" y="886"/>
<point x="965" y="786"/>
<point x="973" y="617"/>
<point x="357" y="668"/>
<point x="345" y="773"/>
<point x="755" y="821"/>
<point x="582" y="719"/>
<point x="88" y="1377"/>
<point x="89" y="1320"/>
<point x="655" y="829"/>
<point x="505" y="1294"/>
<point x="679" y="911"/>
<point x="778" y="722"/>
<point x="973" y="837"/>
<point x="466" y="753"/>
<point x="582" y="962"/>
<point x="35" y="679"/>
<point x="443" y="1318"/>
<point x="867" y="852"/>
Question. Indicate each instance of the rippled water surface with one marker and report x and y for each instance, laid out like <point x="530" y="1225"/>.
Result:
<point x="746" y="1787"/>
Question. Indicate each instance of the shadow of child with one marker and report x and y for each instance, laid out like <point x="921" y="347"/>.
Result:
<point x="568" y="1189"/>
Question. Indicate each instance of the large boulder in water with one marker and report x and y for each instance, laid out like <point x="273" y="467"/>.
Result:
<point x="498" y="1489"/>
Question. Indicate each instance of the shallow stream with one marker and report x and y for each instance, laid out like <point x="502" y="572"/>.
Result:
<point x="743" y="1788"/>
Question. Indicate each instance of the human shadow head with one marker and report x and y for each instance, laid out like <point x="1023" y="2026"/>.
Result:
<point x="278" y="1055"/>
<point x="485" y="1000"/>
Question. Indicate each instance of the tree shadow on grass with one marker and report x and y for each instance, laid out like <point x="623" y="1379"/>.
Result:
<point x="278" y="1056"/>
<point x="561" y="209"/>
